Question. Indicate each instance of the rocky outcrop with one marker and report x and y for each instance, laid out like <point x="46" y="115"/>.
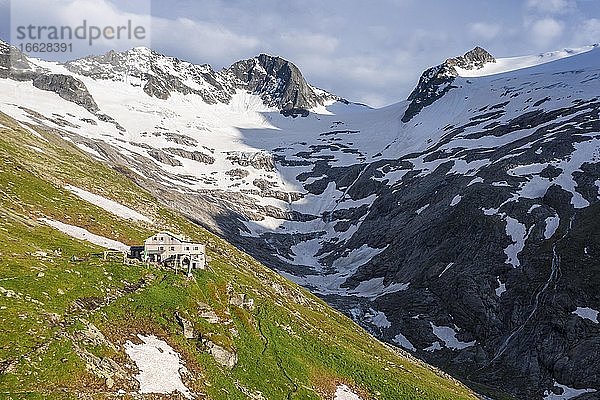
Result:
<point x="15" y="65"/>
<point x="222" y="356"/>
<point x="473" y="59"/>
<point x="67" y="87"/>
<point x="277" y="81"/>
<point x="186" y="325"/>
<point x="437" y="81"/>
<point x="191" y="155"/>
<point x="259" y="160"/>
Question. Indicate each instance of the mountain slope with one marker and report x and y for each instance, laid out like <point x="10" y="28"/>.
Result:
<point x="69" y="316"/>
<point x="458" y="224"/>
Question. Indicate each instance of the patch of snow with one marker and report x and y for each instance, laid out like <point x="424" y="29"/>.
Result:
<point x="374" y="288"/>
<point x="587" y="313"/>
<point x="108" y="205"/>
<point x="37" y="149"/>
<point x="83" y="234"/>
<point x="33" y="132"/>
<point x="434" y="347"/>
<point x="552" y="224"/>
<point x="343" y="392"/>
<point x="455" y="200"/>
<point x="404" y="342"/>
<point x="446" y="269"/>
<point x="159" y="366"/>
<point x="517" y="232"/>
<point x="377" y="318"/>
<point x="568" y="393"/>
<point x="448" y="335"/>
<point x="476" y="180"/>
<point x="420" y="210"/>
<point x="501" y="288"/>
<point x="524" y="170"/>
<point x="89" y="150"/>
<point x="357" y="257"/>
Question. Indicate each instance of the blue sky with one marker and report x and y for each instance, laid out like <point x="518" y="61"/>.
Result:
<point x="368" y="51"/>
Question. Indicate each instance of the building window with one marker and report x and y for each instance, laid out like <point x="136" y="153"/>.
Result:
<point x="172" y="248"/>
<point x="161" y="248"/>
<point x="196" y="248"/>
<point x="187" y="248"/>
<point x="161" y="238"/>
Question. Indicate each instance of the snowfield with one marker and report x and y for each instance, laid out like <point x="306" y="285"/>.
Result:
<point x="159" y="366"/>
<point x="343" y="392"/>
<point x="109" y="205"/>
<point x="83" y="234"/>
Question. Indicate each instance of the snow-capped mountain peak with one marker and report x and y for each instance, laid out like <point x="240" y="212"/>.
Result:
<point x="278" y="82"/>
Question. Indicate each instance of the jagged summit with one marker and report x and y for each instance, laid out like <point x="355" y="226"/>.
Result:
<point x="279" y="82"/>
<point x="473" y="59"/>
<point x="437" y="81"/>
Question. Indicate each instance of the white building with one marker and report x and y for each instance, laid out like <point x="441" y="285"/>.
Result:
<point x="175" y="250"/>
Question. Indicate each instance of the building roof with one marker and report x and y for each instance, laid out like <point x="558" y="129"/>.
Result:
<point x="182" y="238"/>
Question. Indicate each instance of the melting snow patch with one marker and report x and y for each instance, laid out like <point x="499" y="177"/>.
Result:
<point x="33" y="132"/>
<point x="446" y="269"/>
<point x="108" y="205"/>
<point x="587" y="313"/>
<point x="89" y="150"/>
<point x="34" y="148"/>
<point x="567" y="393"/>
<point x="357" y="257"/>
<point x="501" y="288"/>
<point x="82" y="234"/>
<point x="434" y="347"/>
<point x="159" y="366"/>
<point x="518" y="234"/>
<point x="378" y="319"/>
<point x="420" y="210"/>
<point x="448" y="336"/>
<point x="552" y="224"/>
<point x="476" y="180"/>
<point x="343" y="392"/>
<point x="455" y="200"/>
<point x="374" y="288"/>
<point x="404" y="342"/>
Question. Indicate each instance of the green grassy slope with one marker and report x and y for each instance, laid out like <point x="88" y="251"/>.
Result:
<point x="290" y="345"/>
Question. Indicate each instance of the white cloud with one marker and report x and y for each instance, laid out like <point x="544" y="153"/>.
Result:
<point x="588" y="32"/>
<point x="550" y="6"/>
<point x="200" y="40"/>
<point x="485" y="30"/>
<point x="545" y="31"/>
<point x="311" y="42"/>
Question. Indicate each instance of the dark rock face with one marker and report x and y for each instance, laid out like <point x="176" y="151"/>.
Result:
<point x="437" y="81"/>
<point x="474" y="59"/>
<point x="279" y="83"/>
<point x="15" y="65"/>
<point x="67" y="87"/>
<point x="192" y="155"/>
